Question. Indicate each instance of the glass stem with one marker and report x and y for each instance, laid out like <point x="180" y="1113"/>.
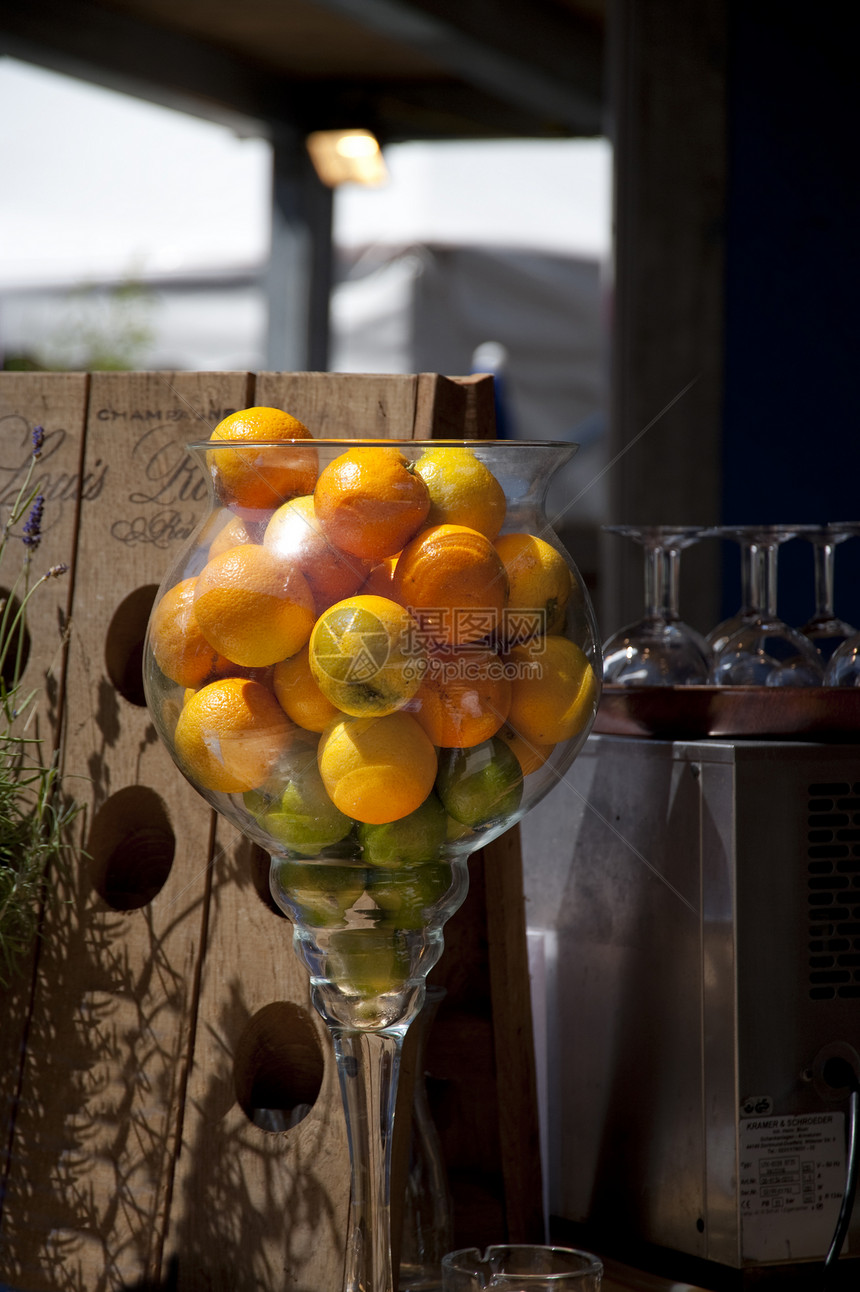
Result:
<point x="824" y="563"/>
<point x="750" y="578"/>
<point x="767" y="574"/>
<point x="661" y="582"/>
<point x="368" y="1065"/>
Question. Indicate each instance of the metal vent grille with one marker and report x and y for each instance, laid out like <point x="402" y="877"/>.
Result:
<point x="833" y="859"/>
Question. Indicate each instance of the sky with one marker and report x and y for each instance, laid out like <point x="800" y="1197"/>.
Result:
<point x="97" y="183"/>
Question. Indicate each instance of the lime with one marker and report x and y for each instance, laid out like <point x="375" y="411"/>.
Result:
<point x="408" y="898"/>
<point x="368" y="962"/>
<point x="318" y="894"/>
<point x="481" y="785"/>
<point x="409" y="840"/>
<point x="295" y="809"/>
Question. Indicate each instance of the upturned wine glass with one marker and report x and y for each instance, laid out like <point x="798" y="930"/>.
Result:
<point x="764" y="650"/>
<point x="824" y="628"/>
<point x="370" y="741"/>
<point x="659" y="649"/>
<point x="746" y="536"/>
<point x="843" y="667"/>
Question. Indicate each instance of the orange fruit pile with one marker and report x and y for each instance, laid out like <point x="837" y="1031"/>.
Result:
<point x="376" y="617"/>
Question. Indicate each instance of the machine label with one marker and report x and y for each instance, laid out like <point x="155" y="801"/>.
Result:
<point x="792" y="1177"/>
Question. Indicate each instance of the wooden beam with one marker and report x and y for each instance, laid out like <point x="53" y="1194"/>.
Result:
<point x="532" y="61"/>
<point x="484" y="90"/>
<point x="83" y="39"/>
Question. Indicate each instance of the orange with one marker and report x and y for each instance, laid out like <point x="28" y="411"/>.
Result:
<point x="228" y="668"/>
<point x="300" y="697"/>
<point x="463" y="491"/>
<point x="377" y="769"/>
<point x="259" y="479"/>
<point x="181" y="651"/>
<point x="231" y="534"/>
<point x="453" y="580"/>
<point x="370" y="501"/>
<point x="366" y="655"/>
<point x="230" y="735"/>
<point x="295" y="533"/>
<point x="529" y="756"/>
<point x="540" y="584"/>
<point x="380" y="580"/>
<point x="252" y="607"/>
<point x="554" y="691"/>
<point x="464" y="698"/>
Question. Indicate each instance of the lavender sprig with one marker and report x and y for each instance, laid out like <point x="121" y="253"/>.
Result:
<point x="35" y="814"/>
<point x="33" y="523"/>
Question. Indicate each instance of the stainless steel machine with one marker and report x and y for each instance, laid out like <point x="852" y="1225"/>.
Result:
<point x="698" y="906"/>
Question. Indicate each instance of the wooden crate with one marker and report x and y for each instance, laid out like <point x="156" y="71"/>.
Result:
<point x="163" y="1003"/>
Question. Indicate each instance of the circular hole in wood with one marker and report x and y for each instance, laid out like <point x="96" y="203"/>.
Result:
<point x="124" y="644"/>
<point x="14" y="634"/>
<point x="278" y="1066"/>
<point x="131" y="847"/>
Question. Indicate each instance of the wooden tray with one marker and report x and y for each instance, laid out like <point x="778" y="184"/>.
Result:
<point x="730" y="712"/>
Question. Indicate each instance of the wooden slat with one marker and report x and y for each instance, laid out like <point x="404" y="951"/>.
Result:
<point x="519" y="1130"/>
<point x="344" y="405"/>
<point x="57" y="403"/>
<point x="380" y="406"/>
<point x="101" y="1104"/>
<point x="257" y="1207"/>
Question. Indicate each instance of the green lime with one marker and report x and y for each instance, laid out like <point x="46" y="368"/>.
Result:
<point x="481" y="785"/>
<point x="408" y="841"/>
<point x="297" y="812"/>
<point x="409" y="897"/>
<point x="318" y="894"/>
<point x="368" y="962"/>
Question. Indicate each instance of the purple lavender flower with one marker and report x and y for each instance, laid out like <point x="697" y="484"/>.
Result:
<point x="33" y="523"/>
<point x="38" y="440"/>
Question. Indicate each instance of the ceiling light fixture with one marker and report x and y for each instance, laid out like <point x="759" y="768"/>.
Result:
<point x="347" y="157"/>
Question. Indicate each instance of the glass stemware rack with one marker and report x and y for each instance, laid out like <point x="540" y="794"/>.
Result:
<point x="700" y="924"/>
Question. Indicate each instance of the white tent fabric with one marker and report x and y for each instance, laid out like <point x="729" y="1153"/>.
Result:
<point x="429" y="309"/>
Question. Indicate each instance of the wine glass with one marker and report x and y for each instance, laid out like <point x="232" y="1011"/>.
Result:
<point x="843" y="667"/>
<point x="370" y="741"/>
<point x="764" y="650"/>
<point x="746" y="536"/>
<point x="825" y="629"/>
<point x="659" y="649"/>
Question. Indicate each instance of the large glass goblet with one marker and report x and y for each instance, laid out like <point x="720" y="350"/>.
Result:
<point x="371" y="687"/>
<point x="659" y="649"/>
<point x="824" y="628"/>
<point x="765" y="650"/>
